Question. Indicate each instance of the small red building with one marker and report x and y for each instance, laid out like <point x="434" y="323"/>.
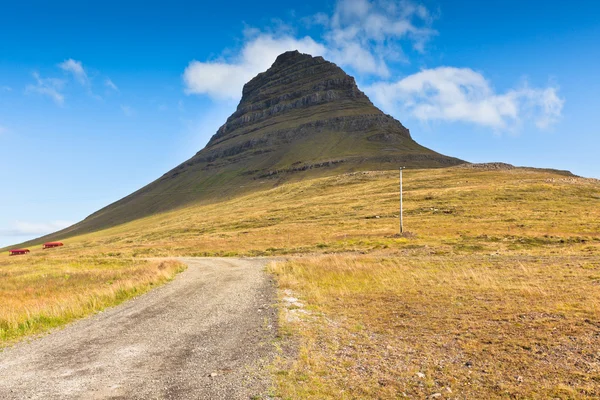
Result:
<point x="16" y="252"/>
<point x="50" y="245"/>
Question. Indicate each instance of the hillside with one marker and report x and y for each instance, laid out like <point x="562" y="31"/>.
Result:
<point x="448" y="209"/>
<point x="492" y="293"/>
<point x="302" y="118"/>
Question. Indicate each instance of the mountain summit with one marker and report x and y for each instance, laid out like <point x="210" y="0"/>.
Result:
<point x="307" y="110"/>
<point x="303" y="117"/>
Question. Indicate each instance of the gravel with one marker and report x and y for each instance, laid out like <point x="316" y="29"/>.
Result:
<point x="209" y="334"/>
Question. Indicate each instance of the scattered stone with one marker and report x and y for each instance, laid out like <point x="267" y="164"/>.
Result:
<point x="498" y="166"/>
<point x="292" y="302"/>
<point x="213" y="375"/>
<point x="296" y="314"/>
<point x="421" y="375"/>
<point x="468" y="364"/>
<point x="435" y="395"/>
<point x="520" y="379"/>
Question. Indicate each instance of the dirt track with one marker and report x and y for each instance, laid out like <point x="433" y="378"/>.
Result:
<point x="206" y="335"/>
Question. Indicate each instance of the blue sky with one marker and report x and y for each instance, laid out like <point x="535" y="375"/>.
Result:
<point x="97" y="100"/>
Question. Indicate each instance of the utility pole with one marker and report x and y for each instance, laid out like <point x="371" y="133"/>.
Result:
<point x="401" y="216"/>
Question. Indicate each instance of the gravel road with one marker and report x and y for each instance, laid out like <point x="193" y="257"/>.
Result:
<point x="206" y="335"/>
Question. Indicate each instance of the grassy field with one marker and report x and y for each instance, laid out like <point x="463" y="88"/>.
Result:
<point x="462" y="326"/>
<point x="49" y="289"/>
<point x="448" y="211"/>
<point x="492" y="293"/>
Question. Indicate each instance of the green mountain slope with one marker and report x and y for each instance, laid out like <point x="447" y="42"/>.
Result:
<point x="304" y="117"/>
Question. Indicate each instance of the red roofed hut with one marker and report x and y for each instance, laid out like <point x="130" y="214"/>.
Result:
<point x="50" y="245"/>
<point x="17" y="252"/>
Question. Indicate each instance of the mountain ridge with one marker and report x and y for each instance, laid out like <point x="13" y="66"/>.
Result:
<point x="303" y="117"/>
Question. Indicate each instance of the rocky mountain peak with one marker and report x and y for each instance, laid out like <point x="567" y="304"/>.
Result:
<point x="291" y="57"/>
<point x="283" y="62"/>
<point x="294" y="81"/>
<point x="304" y="117"/>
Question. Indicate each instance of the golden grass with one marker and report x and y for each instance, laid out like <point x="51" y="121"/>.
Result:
<point x="45" y="291"/>
<point x="493" y="294"/>
<point x="473" y="326"/>
<point x="450" y="210"/>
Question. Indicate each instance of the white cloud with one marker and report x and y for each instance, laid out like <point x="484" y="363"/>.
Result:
<point x="366" y="35"/>
<point x="461" y="94"/>
<point x="224" y="80"/>
<point x="111" y="85"/>
<point x="23" y="228"/>
<point x="127" y="110"/>
<point x="369" y="37"/>
<point x="6" y="89"/>
<point x="76" y="69"/>
<point x="361" y="34"/>
<point x="50" y="87"/>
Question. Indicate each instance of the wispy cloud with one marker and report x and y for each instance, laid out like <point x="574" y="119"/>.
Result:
<point x="368" y="37"/>
<point x="6" y="89"/>
<point x="3" y="130"/>
<point x="76" y="69"/>
<point x="110" y="84"/>
<point x="361" y="34"/>
<point x="23" y="228"/>
<point x="127" y="110"/>
<point x="80" y="74"/>
<point x="461" y="94"/>
<point x="224" y="80"/>
<point x="51" y="87"/>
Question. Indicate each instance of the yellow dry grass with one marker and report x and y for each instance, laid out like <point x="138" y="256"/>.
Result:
<point x="449" y="210"/>
<point x="396" y="325"/>
<point x="493" y="294"/>
<point x="45" y="291"/>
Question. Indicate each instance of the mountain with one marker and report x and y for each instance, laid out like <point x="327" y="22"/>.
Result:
<point x="303" y="117"/>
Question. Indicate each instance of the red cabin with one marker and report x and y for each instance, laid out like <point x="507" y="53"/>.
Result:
<point x="50" y="245"/>
<point x="16" y="252"/>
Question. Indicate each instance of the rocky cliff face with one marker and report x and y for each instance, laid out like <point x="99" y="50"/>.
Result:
<point x="294" y="81"/>
<point x="307" y="110"/>
<point x="301" y="118"/>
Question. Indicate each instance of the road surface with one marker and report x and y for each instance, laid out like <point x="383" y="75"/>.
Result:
<point x="206" y="335"/>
